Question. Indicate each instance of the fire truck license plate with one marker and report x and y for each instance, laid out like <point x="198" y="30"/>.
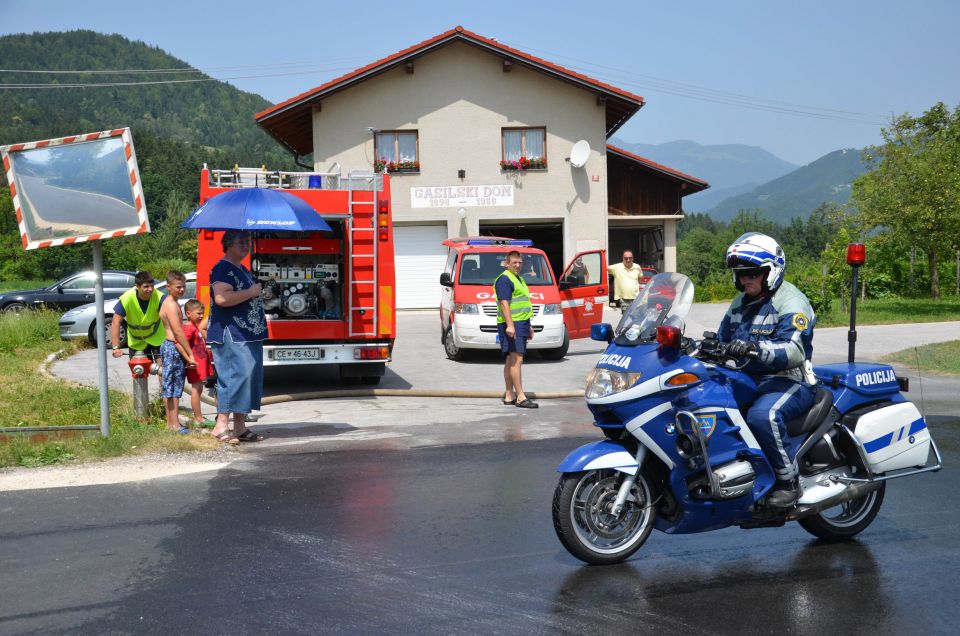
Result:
<point x="297" y="354"/>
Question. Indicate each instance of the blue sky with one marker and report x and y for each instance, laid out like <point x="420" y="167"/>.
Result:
<point x="845" y="66"/>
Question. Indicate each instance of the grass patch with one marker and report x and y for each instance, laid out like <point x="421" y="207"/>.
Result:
<point x="888" y="311"/>
<point x="22" y="285"/>
<point x="28" y="398"/>
<point x="942" y="357"/>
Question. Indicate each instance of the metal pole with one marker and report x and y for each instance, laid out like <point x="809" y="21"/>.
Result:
<point x="852" y="335"/>
<point x="101" y="339"/>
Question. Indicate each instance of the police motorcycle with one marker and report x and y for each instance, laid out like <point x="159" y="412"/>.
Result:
<point x="680" y="458"/>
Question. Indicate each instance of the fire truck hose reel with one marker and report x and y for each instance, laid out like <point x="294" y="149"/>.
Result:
<point x="437" y="393"/>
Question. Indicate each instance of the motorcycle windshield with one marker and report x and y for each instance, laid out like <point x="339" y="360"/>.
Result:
<point x="665" y="301"/>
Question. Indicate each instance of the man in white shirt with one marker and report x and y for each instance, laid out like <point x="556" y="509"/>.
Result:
<point x="626" y="281"/>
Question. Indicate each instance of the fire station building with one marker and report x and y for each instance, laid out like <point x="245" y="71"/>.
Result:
<point x="477" y="138"/>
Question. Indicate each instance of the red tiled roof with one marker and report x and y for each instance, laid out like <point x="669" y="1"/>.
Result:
<point x="698" y="184"/>
<point x="626" y="103"/>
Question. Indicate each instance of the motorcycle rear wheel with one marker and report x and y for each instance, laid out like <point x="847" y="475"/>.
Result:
<point x="847" y="519"/>
<point x="584" y="524"/>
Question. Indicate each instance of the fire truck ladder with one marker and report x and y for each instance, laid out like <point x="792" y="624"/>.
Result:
<point x="362" y="233"/>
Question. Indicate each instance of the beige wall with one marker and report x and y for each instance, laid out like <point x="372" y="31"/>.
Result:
<point x="458" y="99"/>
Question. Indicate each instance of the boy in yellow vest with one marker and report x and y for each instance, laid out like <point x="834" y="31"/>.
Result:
<point x="140" y="309"/>
<point x="514" y="311"/>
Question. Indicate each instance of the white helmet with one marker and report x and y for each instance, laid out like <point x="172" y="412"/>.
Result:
<point x="753" y="250"/>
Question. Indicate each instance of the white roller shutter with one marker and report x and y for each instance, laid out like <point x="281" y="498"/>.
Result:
<point x="420" y="259"/>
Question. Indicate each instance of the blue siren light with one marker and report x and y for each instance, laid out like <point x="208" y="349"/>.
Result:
<point x="523" y="242"/>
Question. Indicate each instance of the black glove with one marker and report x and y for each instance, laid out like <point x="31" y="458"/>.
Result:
<point x="740" y="348"/>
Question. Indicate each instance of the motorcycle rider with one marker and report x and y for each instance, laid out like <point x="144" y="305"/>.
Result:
<point x="775" y="319"/>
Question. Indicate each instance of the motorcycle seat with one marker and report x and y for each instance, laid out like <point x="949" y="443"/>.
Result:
<point x="804" y="424"/>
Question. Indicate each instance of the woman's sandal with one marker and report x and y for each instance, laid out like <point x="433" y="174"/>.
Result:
<point x="227" y="437"/>
<point x="250" y="436"/>
<point x="508" y="402"/>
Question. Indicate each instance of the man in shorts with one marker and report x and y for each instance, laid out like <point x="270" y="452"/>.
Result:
<point x="514" y="311"/>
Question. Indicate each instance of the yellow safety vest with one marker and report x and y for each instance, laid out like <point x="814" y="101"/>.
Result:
<point x="520" y="306"/>
<point x="142" y="328"/>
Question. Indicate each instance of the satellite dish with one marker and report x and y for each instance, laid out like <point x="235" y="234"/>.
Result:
<point x="579" y="154"/>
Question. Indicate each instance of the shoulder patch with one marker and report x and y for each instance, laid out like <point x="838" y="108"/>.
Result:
<point x="800" y="322"/>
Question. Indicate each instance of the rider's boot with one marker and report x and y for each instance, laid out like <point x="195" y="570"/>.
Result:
<point x="784" y="494"/>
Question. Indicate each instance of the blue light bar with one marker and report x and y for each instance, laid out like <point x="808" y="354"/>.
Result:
<point x="523" y="242"/>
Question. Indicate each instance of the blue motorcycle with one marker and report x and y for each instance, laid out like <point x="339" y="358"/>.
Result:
<point x="680" y="458"/>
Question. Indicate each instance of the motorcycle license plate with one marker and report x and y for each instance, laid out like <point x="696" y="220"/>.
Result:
<point x="297" y="354"/>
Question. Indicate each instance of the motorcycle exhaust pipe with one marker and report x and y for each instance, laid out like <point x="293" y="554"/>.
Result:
<point x="853" y="491"/>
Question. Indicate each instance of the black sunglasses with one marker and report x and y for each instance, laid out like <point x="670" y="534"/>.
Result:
<point x="750" y="273"/>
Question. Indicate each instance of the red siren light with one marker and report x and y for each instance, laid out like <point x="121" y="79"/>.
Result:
<point x="856" y="254"/>
<point x="668" y="336"/>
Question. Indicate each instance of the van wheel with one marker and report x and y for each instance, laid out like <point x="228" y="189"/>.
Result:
<point x="450" y="347"/>
<point x="559" y="352"/>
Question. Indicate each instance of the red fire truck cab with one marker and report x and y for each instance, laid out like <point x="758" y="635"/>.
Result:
<point x="562" y="310"/>
<point x="328" y="296"/>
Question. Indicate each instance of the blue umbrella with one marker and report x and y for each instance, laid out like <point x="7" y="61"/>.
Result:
<point x="256" y="209"/>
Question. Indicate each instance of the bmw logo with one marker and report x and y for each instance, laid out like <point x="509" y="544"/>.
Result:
<point x="670" y="429"/>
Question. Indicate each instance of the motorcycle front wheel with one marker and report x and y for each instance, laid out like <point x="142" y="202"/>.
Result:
<point x="583" y="518"/>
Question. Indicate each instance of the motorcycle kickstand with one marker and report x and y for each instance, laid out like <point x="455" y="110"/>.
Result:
<point x="628" y="483"/>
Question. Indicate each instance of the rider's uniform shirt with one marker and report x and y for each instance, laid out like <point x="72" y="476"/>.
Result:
<point x="782" y="327"/>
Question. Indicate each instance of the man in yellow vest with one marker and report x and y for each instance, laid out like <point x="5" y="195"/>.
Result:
<point x="514" y="311"/>
<point x="140" y="309"/>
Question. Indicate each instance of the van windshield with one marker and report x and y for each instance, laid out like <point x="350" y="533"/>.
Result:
<point x="481" y="268"/>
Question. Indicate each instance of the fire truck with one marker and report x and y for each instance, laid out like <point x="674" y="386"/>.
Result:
<point x="329" y="297"/>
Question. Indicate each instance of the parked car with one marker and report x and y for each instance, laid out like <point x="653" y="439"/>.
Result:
<point x="72" y="291"/>
<point x="82" y="321"/>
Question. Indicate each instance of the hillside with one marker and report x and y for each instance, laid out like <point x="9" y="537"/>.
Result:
<point x="208" y="114"/>
<point x="731" y="169"/>
<point x="798" y="193"/>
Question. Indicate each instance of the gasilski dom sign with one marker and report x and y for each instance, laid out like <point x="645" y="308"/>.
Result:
<point x="461" y="196"/>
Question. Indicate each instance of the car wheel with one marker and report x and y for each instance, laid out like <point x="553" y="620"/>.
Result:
<point x="450" y="347"/>
<point x="14" y="308"/>
<point x="92" y="334"/>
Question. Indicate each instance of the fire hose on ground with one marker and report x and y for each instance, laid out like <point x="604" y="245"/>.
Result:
<point x="437" y="393"/>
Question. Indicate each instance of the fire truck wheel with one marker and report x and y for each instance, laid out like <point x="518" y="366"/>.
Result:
<point x="450" y="346"/>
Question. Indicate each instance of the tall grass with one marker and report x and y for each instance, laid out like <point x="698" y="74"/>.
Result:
<point x="29" y="399"/>
<point x="19" y="285"/>
<point x="27" y="329"/>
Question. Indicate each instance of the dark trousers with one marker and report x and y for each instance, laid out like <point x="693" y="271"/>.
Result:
<point x="779" y="400"/>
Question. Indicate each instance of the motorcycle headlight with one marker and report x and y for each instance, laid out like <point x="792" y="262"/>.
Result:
<point x="466" y="308"/>
<point x="552" y="309"/>
<point x="603" y="382"/>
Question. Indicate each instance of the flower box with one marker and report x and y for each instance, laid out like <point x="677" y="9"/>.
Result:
<point x="382" y="165"/>
<point x="523" y="163"/>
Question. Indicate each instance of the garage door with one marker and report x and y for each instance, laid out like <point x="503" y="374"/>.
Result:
<point x="420" y="259"/>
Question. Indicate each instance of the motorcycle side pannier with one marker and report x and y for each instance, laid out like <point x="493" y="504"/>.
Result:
<point x="893" y="437"/>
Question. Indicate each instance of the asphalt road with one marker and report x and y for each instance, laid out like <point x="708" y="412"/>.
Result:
<point x="62" y="211"/>
<point x="454" y="540"/>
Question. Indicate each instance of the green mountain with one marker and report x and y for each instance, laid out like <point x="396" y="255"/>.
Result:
<point x="730" y="169"/>
<point x="206" y="114"/>
<point x="177" y="127"/>
<point x="797" y="194"/>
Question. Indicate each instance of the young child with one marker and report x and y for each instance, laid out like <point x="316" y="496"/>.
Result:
<point x="175" y="351"/>
<point x="193" y="330"/>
